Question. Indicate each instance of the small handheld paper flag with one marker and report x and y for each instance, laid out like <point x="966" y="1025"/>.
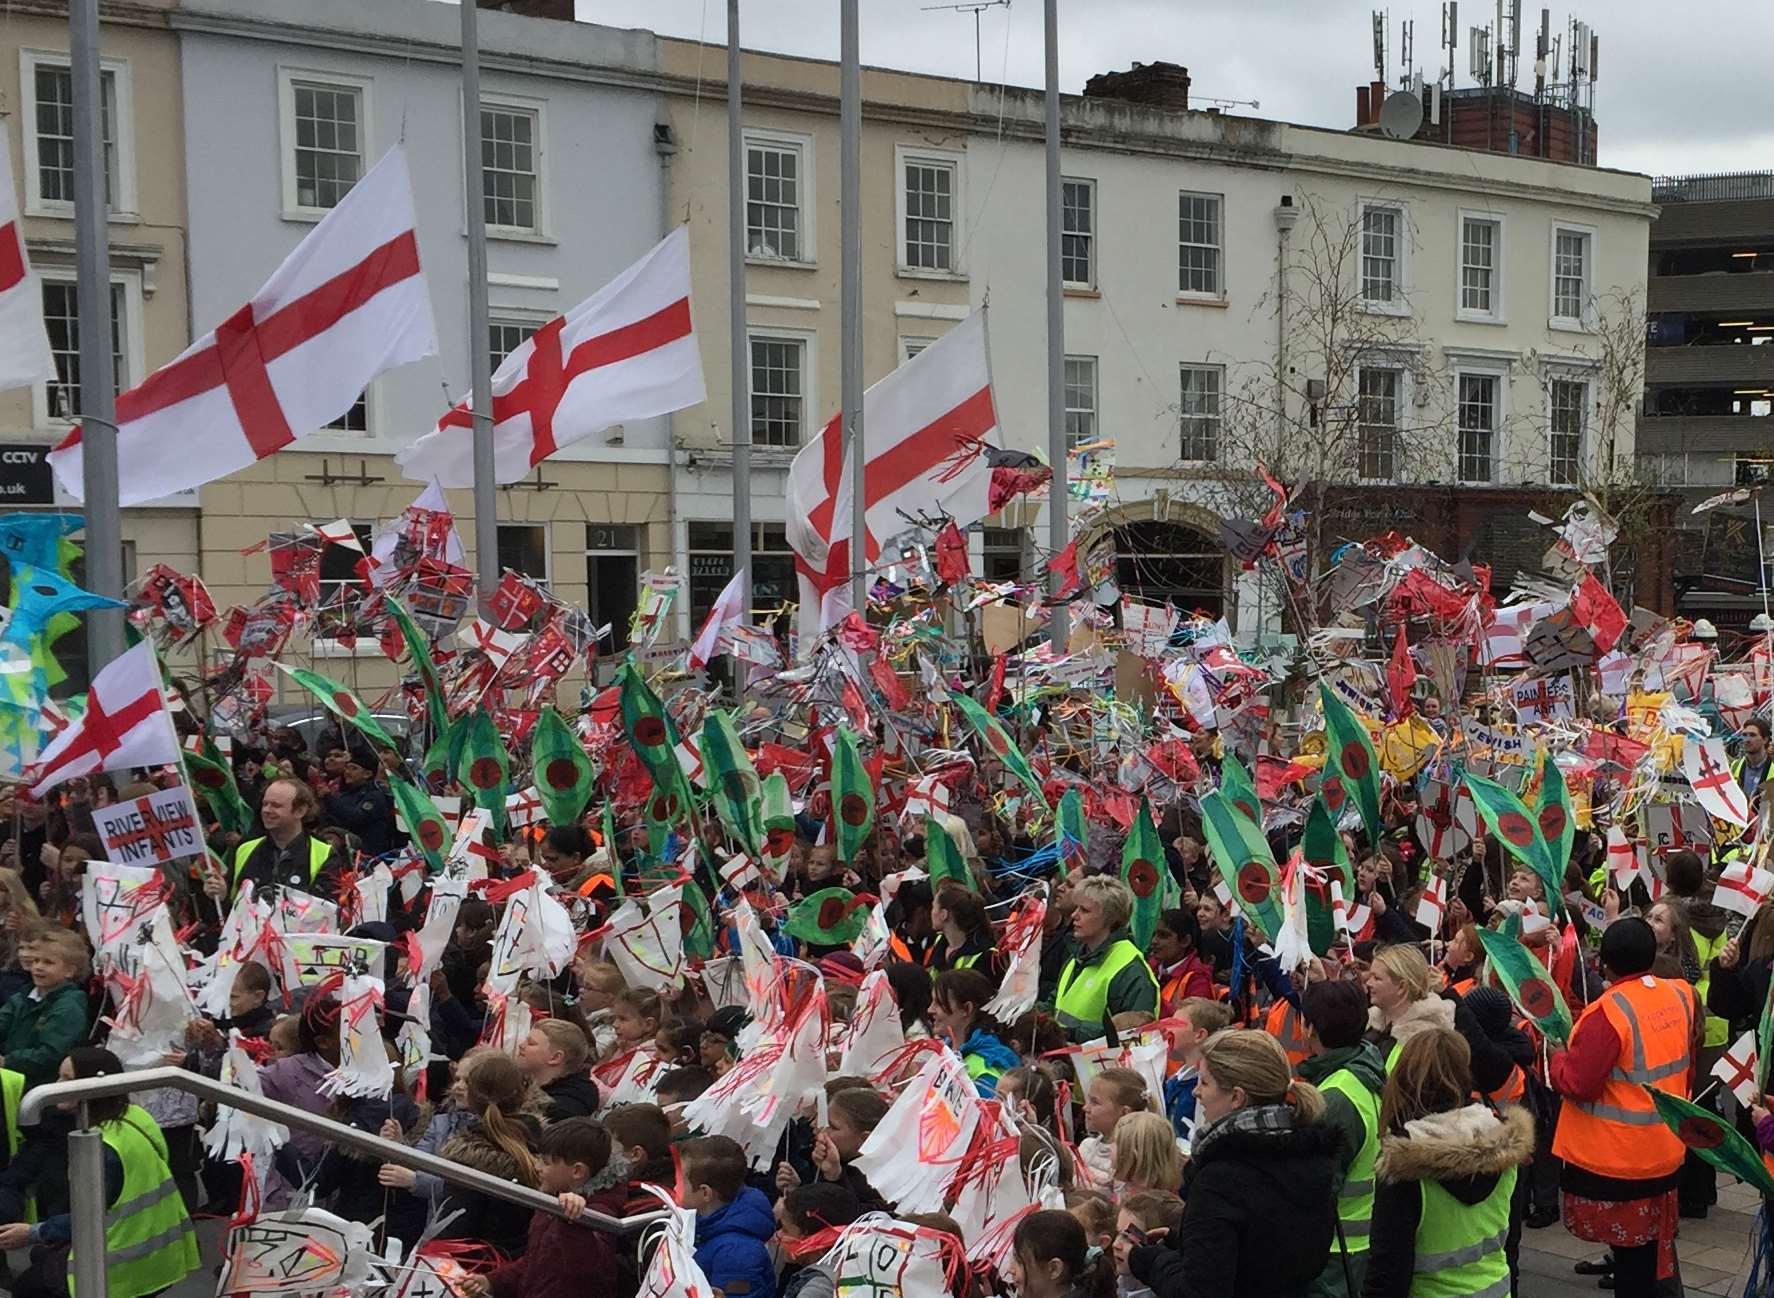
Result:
<point x="419" y="649"/>
<point x="1235" y="783"/>
<point x="215" y="780"/>
<point x="1142" y="863"/>
<point x="1245" y="861"/>
<point x="829" y="917"/>
<point x="563" y="771"/>
<point x="484" y="767"/>
<point x="998" y="742"/>
<point x="1069" y="830"/>
<point x="1528" y="983"/>
<point x="343" y="704"/>
<point x="732" y="778"/>
<point x="1736" y="1068"/>
<point x="1507" y="817"/>
<point x="942" y="859"/>
<point x="1708" y="1136"/>
<point x="1351" y="768"/>
<point x="778" y="822"/>
<point x="426" y="826"/>
<point x="853" y="797"/>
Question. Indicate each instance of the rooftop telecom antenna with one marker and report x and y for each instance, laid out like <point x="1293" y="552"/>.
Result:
<point x="974" y="7"/>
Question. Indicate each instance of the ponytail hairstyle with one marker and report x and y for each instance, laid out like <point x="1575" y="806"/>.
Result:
<point x="496" y="1089"/>
<point x="1433" y="1075"/>
<point x="1053" y="1235"/>
<point x="1146" y="1152"/>
<point x="1127" y="1088"/>
<point x="1255" y="1061"/>
<point x="954" y="988"/>
<point x="968" y="911"/>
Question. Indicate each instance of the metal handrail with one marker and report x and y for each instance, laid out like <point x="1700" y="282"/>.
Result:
<point x="87" y="1089"/>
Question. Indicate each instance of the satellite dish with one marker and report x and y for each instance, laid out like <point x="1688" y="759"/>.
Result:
<point x="1401" y="115"/>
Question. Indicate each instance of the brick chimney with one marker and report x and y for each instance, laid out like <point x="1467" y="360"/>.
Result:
<point x="1162" y="85"/>
<point x="558" y="9"/>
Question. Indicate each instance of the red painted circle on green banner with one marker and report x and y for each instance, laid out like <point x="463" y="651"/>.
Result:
<point x="1249" y="812"/>
<point x="208" y="777"/>
<point x="649" y="731"/>
<point x="484" y="773"/>
<point x="1537" y="1000"/>
<point x="853" y="808"/>
<point x="832" y="911"/>
<point x="1142" y="877"/>
<point x="1515" y="828"/>
<point x="1333" y="793"/>
<point x="996" y="741"/>
<point x="431" y="835"/>
<point x="1354" y="760"/>
<point x="1552" y="821"/>
<point x="779" y="842"/>
<point x="1254" y="884"/>
<point x="686" y="917"/>
<point x="734" y="786"/>
<point x="664" y="807"/>
<point x="561" y="773"/>
<point x="346" y="705"/>
<point x="1698" y="1133"/>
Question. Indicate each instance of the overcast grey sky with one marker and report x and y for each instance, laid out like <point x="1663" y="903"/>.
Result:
<point x="1683" y="88"/>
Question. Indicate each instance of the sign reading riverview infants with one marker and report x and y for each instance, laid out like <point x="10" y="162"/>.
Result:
<point x="159" y="827"/>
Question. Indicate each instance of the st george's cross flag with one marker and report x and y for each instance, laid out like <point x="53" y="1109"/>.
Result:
<point x="627" y="352"/>
<point x="125" y="724"/>
<point x="24" y="346"/>
<point x="728" y="611"/>
<point x="926" y="428"/>
<point x="348" y="304"/>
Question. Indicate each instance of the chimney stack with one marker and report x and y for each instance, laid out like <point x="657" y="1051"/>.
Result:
<point x="1160" y="85"/>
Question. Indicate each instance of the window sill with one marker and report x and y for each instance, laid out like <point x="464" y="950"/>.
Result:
<point x="780" y="263"/>
<point x="367" y="647"/>
<point x="1566" y="325"/>
<point x="305" y="215"/>
<point x="1216" y="301"/>
<point x="1082" y="290"/>
<point x="914" y="272"/>
<point x="1470" y="317"/>
<point x="1385" y="308"/>
<point x="506" y="234"/>
<point x="65" y="212"/>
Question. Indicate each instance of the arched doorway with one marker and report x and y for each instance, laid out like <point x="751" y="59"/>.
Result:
<point x="1173" y="562"/>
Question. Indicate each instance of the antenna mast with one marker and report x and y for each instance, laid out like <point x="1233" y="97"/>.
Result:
<point x="974" y="7"/>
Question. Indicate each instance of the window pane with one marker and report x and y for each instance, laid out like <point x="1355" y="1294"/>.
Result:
<point x="1568" y="413"/>
<point x="328" y="153"/>
<point x="776" y="394"/>
<point x="1078" y="232"/>
<point x="1198" y="243"/>
<point x="1570" y="275"/>
<point x="61" y="318"/>
<point x="1379" y="254"/>
<point x="1478" y="250"/>
<point x="508" y="167"/>
<point x="1377" y="430"/>
<point x="773" y="201"/>
<point x="356" y="419"/>
<point x="1478" y="424"/>
<point x="523" y="547"/>
<point x="929" y="216"/>
<point x="1200" y="412"/>
<point x="505" y="337"/>
<point x="54" y="92"/>
<point x="1080" y="383"/>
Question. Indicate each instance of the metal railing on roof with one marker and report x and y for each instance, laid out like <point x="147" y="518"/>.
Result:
<point x="86" y="1178"/>
<point x="1724" y="186"/>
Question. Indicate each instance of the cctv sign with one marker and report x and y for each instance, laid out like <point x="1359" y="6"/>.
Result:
<point x="25" y="476"/>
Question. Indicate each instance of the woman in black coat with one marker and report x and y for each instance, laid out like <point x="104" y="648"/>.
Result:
<point x="1261" y="1213"/>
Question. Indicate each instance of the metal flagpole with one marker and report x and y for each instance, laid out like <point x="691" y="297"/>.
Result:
<point x="1058" y="529"/>
<point x="98" y="375"/>
<point x="480" y="356"/>
<point x="850" y="297"/>
<point x="736" y="201"/>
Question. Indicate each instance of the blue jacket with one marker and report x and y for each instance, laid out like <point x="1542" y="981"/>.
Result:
<point x="996" y="1055"/>
<point x="1179" y="1099"/>
<point x="732" y="1246"/>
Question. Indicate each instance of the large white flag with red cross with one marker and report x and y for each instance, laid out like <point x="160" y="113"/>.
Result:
<point x="1709" y="772"/>
<point x="627" y="352"/>
<point x="346" y="305"/>
<point x="24" y="346"/>
<point x="926" y="428"/>
<point x="125" y="724"/>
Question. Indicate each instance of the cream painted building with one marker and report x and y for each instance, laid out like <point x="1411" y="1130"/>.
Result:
<point x="1475" y="304"/>
<point x="145" y="162"/>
